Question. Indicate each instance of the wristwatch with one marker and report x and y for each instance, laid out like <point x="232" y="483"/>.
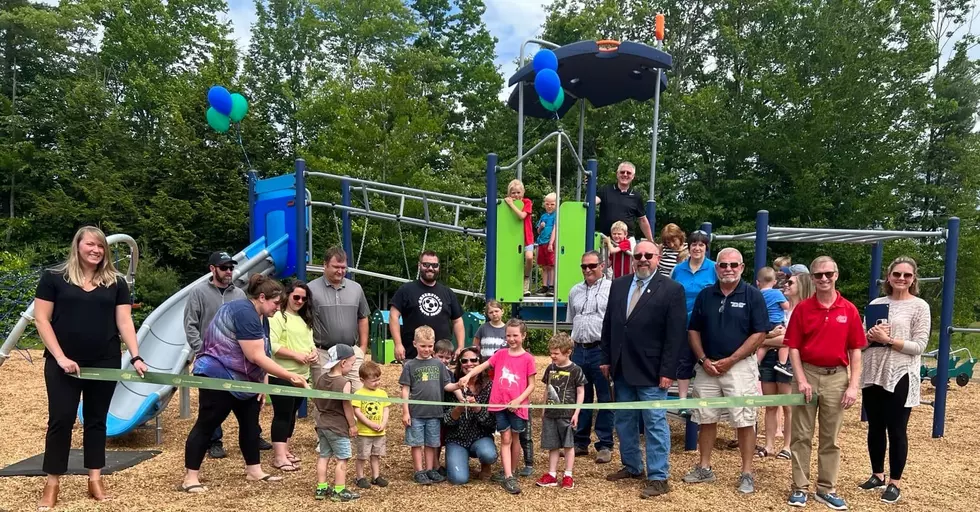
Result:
<point x="701" y="362"/>
<point x="137" y="358"/>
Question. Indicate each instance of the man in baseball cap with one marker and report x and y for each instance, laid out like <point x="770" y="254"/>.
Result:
<point x="219" y="258"/>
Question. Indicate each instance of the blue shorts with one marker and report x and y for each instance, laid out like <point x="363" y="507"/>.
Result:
<point x="424" y="432"/>
<point x="333" y="445"/>
<point x="507" y="420"/>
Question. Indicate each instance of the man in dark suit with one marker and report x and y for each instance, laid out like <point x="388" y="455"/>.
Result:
<point x="644" y="327"/>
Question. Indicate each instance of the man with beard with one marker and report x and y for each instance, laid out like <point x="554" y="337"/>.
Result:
<point x="642" y="333"/>
<point x="618" y="201"/>
<point x="203" y="302"/>
<point x="424" y="302"/>
<point x="340" y="314"/>
<point x="728" y="323"/>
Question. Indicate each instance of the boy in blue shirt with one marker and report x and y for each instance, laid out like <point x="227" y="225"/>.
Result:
<point x="546" y="245"/>
<point x="777" y="305"/>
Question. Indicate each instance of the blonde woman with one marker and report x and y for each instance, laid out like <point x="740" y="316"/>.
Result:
<point x="82" y="309"/>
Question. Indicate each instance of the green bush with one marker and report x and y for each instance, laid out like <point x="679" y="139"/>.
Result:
<point x="154" y="284"/>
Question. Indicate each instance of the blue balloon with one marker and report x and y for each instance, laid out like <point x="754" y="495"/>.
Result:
<point x="545" y="59"/>
<point x="220" y="99"/>
<point x="547" y="84"/>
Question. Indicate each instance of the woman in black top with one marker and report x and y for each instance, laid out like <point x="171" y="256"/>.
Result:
<point x="469" y="430"/>
<point x="82" y="308"/>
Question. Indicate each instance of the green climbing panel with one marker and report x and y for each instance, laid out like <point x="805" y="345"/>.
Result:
<point x="510" y="254"/>
<point x="571" y="246"/>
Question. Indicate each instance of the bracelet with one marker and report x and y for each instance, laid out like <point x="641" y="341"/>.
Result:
<point x="137" y="358"/>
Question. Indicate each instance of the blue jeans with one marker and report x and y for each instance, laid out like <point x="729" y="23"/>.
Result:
<point x="656" y="431"/>
<point x="458" y="458"/>
<point x="589" y="360"/>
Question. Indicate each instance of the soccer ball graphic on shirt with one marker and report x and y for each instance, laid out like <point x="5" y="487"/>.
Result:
<point x="372" y="409"/>
<point x="430" y="304"/>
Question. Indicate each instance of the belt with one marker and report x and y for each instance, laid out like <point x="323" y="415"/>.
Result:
<point x="825" y="370"/>
<point x="587" y="346"/>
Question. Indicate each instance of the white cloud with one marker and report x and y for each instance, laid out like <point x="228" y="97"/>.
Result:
<point x="242" y="16"/>
<point x="512" y="22"/>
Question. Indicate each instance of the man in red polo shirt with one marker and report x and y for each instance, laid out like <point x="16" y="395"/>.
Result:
<point x="825" y="337"/>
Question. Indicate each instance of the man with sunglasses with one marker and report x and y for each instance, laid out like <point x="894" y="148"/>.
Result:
<point x="825" y="336"/>
<point x="642" y="332"/>
<point x="424" y="301"/>
<point x="340" y="314"/>
<point x="202" y="304"/>
<point x="618" y="201"/>
<point x="587" y="303"/>
<point x="728" y="323"/>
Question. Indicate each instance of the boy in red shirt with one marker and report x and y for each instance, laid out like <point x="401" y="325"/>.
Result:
<point x="515" y="192"/>
<point x="825" y="337"/>
<point x="620" y="250"/>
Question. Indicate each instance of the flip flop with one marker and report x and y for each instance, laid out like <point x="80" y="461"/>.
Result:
<point x="287" y="467"/>
<point x="784" y="454"/>
<point x="192" y="489"/>
<point x="294" y="459"/>
<point x="266" y="478"/>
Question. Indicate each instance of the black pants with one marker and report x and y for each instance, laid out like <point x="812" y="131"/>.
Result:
<point x="527" y="444"/>
<point x="888" y="421"/>
<point x="64" y="392"/>
<point x="284" y="410"/>
<point x="213" y="408"/>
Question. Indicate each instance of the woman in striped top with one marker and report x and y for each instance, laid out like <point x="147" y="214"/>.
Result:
<point x="890" y="375"/>
<point x="673" y="249"/>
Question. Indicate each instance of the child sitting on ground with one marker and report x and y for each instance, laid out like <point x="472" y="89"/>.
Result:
<point x="565" y="383"/>
<point x="777" y="305"/>
<point x="371" y="412"/>
<point x="512" y="385"/>
<point x="546" y="245"/>
<point x="335" y="425"/>
<point x="620" y="248"/>
<point x="515" y="193"/>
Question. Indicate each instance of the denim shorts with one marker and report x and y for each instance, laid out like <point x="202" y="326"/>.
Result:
<point x="767" y="371"/>
<point x="507" y="420"/>
<point x="333" y="445"/>
<point x="424" y="432"/>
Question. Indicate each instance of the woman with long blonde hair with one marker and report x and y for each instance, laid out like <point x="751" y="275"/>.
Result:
<point x="82" y="310"/>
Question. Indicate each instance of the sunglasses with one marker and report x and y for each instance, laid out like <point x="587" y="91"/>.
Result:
<point x="299" y="298"/>
<point x="723" y="265"/>
<point x="466" y="360"/>
<point x="645" y="256"/>
<point x="899" y="275"/>
<point x="589" y="266"/>
<point x="430" y="265"/>
<point x="626" y="172"/>
<point x="226" y="268"/>
<point x="819" y="276"/>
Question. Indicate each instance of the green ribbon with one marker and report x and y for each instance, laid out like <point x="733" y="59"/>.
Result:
<point x="194" y="381"/>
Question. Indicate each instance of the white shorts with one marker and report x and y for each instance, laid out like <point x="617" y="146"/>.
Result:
<point x="742" y="379"/>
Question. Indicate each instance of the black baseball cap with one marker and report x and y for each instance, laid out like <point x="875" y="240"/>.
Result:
<point x="220" y="258"/>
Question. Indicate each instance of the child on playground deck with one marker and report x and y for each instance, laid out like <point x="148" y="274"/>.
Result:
<point x="777" y="305"/>
<point x="424" y="378"/>
<point x="565" y="383"/>
<point x="515" y="192"/>
<point x="371" y="412"/>
<point x="513" y="384"/>
<point x="546" y="245"/>
<point x="620" y="249"/>
<point x="335" y="425"/>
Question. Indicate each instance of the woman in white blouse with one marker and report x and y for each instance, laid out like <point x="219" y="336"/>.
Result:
<point x="890" y="375"/>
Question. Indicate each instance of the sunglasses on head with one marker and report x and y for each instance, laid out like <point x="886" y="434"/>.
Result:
<point x="429" y="265"/>
<point x="723" y="265"/>
<point x="226" y="268"/>
<point x="645" y="256"/>
<point x="900" y="275"/>
<point x="819" y="276"/>
<point x="465" y="360"/>
<point x="589" y="266"/>
<point x="299" y="298"/>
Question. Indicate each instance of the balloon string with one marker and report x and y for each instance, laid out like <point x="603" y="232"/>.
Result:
<point x="238" y="129"/>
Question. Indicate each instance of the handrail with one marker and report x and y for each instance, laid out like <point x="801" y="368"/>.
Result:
<point x="399" y="188"/>
<point x="529" y="152"/>
<point x="390" y="193"/>
<point x="477" y="232"/>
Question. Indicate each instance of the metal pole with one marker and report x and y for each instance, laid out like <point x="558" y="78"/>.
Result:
<point x="706" y="227"/>
<point x="593" y="166"/>
<point x="761" y="239"/>
<point x="652" y="202"/>
<point x="945" y="322"/>
<point x="252" y="177"/>
<point x="491" y="228"/>
<point x="346" y="223"/>
<point x="554" y="301"/>
<point x="520" y="102"/>
<point x="581" y="143"/>
<point x="877" y="254"/>
<point x="185" y="397"/>
<point x="300" y="205"/>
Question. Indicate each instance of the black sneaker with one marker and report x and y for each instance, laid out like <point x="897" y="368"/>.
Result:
<point x="784" y="369"/>
<point x="891" y="495"/>
<point x="422" y="478"/>
<point x="550" y="292"/>
<point x="510" y="485"/>
<point x="344" y="496"/>
<point x="542" y="291"/>
<point x="363" y="483"/>
<point x="434" y="476"/>
<point x="873" y="483"/>
<point x="323" y="493"/>
<point x="264" y="445"/>
<point x="380" y="482"/>
<point x="217" y="451"/>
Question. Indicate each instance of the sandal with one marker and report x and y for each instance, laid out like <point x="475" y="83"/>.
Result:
<point x="784" y="454"/>
<point x="266" y="478"/>
<point x="292" y="458"/>
<point x="733" y="444"/>
<point x="192" y="489"/>
<point x="761" y="452"/>
<point x="287" y="467"/>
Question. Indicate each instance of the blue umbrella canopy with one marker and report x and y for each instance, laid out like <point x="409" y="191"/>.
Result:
<point x="602" y="77"/>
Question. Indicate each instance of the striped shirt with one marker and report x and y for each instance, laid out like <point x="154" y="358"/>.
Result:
<point x="910" y="322"/>
<point x="586" y="308"/>
<point x="668" y="260"/>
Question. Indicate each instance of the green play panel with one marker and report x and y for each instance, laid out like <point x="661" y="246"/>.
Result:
<point x="510" y="254"/>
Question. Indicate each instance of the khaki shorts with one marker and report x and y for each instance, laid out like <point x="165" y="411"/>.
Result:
<point x="741" y="379"/>
<point x="371" y="445"/>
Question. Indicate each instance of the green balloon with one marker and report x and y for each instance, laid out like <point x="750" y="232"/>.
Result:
<point x="218" y="121"/>
<point x="553" y="106"/>
<point x="239" y="107"/>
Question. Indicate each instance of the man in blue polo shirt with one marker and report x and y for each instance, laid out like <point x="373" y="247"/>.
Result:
<point x="728" y="323"/>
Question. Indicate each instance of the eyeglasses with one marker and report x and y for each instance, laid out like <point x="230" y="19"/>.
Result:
<point x="645" y="256"/>
<point x="466" y="360"/>
<point x="625" y="172"/>
<point x="433" y="266"/>
<point x="722" y="308"/>
<point x="899" y="275"/>
<point x="723" y="265"/>
<point x="590" y="266"/>
<point x="819" y="276"/>
<point x="226" y="268"/>
<point x="299" y="298"/>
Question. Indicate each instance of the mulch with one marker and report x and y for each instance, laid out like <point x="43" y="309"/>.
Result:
<point x="940" y="474"/>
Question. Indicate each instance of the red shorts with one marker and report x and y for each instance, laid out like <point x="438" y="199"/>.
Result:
<point x="546" y="258"/>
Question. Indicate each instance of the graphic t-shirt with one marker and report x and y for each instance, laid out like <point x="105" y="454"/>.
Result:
<point x="774" y="298"/>
<point x="373" y="407"/>
<point x="562" y="387"/>
<point x="549" y="225"/>
<point x="221" y="355"/>
<point x="426" y="379"/>
<point x="511" y="375"/>
<point x="435" y="306"/>
<point x="492" y="339"/>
